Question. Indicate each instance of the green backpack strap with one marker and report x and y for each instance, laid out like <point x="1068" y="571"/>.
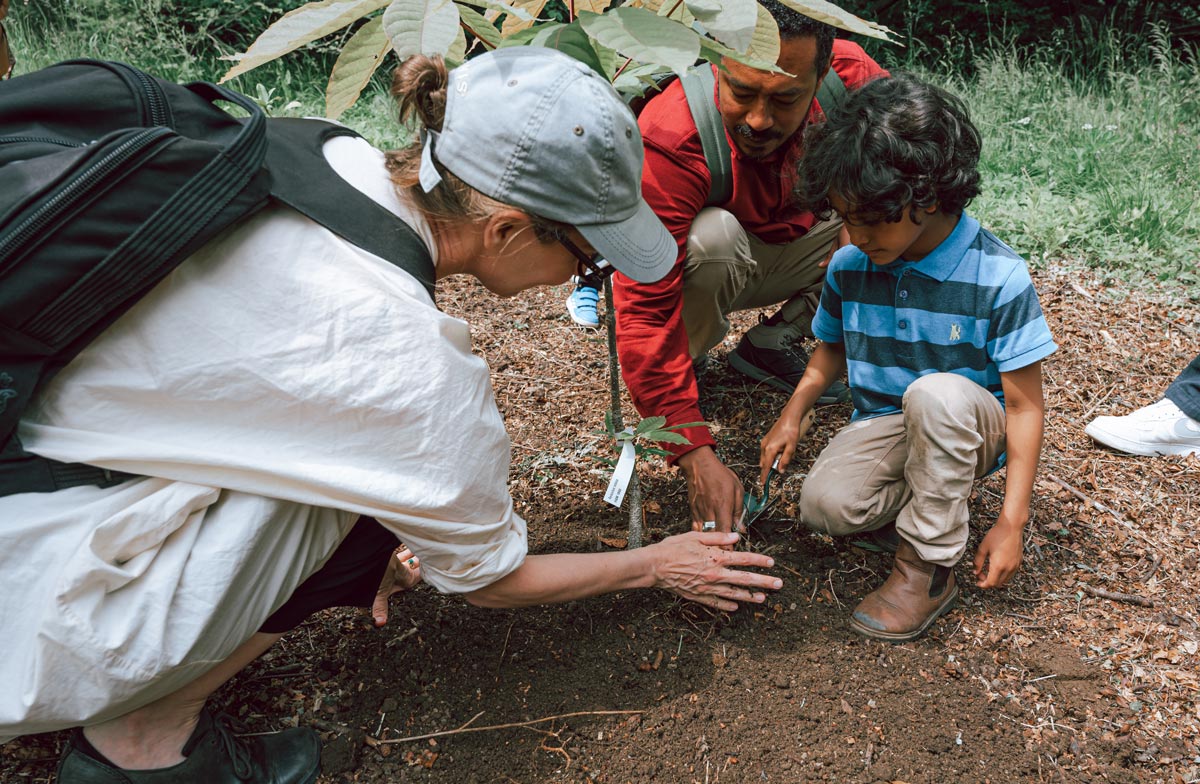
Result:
<point x="698" y="84"/>
<point x="832" y="92"/>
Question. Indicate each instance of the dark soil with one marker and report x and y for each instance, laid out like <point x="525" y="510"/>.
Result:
<point x="1038" y="682"/>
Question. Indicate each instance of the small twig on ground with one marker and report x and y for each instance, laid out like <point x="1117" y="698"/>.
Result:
<point x="401" y="638"/>
<point x="1116" y="596"/>
<point x="1098" y="402"/>
<point x="504" y="649"/>
<point x="1081" y="291"/>
<point x="1153" y="568"/>
<point x="790" y="569"/>
<point x="1087" y="499"/>
<point x="832" y="590"/>
<point x="465" y="728"/>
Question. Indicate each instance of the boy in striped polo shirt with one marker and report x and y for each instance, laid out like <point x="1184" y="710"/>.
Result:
<point x="937" y="324"/>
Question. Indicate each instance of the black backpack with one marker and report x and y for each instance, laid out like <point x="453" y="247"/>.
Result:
<point x="109" y="178"/>
<point x="698" y="89"/>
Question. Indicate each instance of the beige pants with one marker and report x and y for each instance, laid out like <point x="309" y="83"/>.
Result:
<point x="727" y="269"/>
<point x="915" y="467"/>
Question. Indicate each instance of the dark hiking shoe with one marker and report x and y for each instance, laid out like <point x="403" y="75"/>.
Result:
<point x="773" y="352"/>
<point x="214" y="756"/>
<point x="881" y="540"/>
<point x="909" y="601"/>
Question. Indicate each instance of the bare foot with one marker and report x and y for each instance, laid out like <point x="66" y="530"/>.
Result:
<point x="403" y="572"/>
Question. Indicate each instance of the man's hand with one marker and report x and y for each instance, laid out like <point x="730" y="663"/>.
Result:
<point x="1000" y="552"/>
<point x="714" y="492"/>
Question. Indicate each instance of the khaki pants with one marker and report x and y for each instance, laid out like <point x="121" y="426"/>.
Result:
<point x="727" y="269"/>
<point x="915" y="467"/>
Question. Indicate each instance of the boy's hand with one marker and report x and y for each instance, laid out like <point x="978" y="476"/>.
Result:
<point x="1000" y="551"/>
<point x="781" y="442"/>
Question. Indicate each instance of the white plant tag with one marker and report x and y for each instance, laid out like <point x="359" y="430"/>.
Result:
<point x="619" y="483"/>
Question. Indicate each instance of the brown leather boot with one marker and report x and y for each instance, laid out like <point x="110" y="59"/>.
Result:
<point x="914" y="595"/>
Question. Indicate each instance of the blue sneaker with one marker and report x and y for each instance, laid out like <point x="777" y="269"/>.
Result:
<point x="581" y="306"/>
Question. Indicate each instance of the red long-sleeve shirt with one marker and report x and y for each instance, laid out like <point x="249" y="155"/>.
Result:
<point x="651" y="341"/>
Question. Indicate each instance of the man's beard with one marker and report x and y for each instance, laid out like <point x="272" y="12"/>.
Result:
<point x="757" y="138"/>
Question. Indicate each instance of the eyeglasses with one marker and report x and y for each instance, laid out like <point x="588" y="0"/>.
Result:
<point x="593" y="269"/>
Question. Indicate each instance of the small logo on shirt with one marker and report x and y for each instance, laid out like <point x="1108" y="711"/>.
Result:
<point x="955" y="332"/>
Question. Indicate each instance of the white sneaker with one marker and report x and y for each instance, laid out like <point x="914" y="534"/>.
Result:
<point x="1159" y="429"/>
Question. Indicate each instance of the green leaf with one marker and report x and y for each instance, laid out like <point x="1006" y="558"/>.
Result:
<point x="296" y="28"/>
<point x="515" y="24"/>
<point x="827" y="12"/>
<point x="361" y="56"/>
<point x="715" y="52"/>
<point x="610" y="61"/>
<point x="678" y="11"/>
<point x="653" y="450"/>
<point x="732" y="22"/>
<point x="638" y="79"/>
<point x="456" y="55"/>
<point x="512" y="10"/>
<point x="648" y="424"/>
<point x="525" y="36"/>
<point x="644" y="36"/>
<point x="591" y="6"/>
<point x="686" y="425"/>
<point x="571" y="39"/>
<point x="667" y="437"/>
<point x="764" y="46"/>
<point x="427" y="27"/>
<point x="479" y="25"/>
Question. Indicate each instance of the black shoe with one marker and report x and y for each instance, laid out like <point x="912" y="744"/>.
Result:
<point x="773" y="352"/>
<point x="881" y="540"/>
<point x="214" y="756"/>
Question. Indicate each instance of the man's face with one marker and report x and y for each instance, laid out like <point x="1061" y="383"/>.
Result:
<point x="763" y="110"/>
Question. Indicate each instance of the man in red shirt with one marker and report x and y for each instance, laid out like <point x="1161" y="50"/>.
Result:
<point x="752" y="251"/>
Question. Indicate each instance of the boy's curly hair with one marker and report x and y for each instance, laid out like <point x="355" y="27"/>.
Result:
<point x="896" y="142"/>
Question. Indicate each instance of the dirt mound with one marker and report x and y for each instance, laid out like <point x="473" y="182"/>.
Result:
<point x="1044" y="681"/>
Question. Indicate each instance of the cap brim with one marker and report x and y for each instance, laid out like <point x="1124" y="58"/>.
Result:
<point x="640" y="247"/>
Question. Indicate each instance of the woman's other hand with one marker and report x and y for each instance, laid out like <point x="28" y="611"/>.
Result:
<point x="694" y="566"/>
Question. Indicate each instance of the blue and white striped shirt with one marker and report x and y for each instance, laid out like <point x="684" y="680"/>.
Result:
<point x="969" y="307"/>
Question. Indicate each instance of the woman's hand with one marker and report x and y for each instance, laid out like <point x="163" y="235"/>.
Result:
<point x="694" y="566"/>
<point x="781" y="441"/>
<point x="403" y="572"/>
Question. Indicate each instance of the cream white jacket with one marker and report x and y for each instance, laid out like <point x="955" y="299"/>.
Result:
<point x="275" y="386"/>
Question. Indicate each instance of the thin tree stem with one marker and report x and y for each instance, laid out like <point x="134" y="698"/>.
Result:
<point x="465" y="728"/>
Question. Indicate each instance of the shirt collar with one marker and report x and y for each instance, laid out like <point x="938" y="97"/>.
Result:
<point x="945" y="258"/>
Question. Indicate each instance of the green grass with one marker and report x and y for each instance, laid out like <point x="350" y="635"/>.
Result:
<point x="1095" y="165"/>
<point x="1099" y="169"/>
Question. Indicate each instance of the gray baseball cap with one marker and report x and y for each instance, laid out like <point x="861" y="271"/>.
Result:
<point x="539" y="130"/>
